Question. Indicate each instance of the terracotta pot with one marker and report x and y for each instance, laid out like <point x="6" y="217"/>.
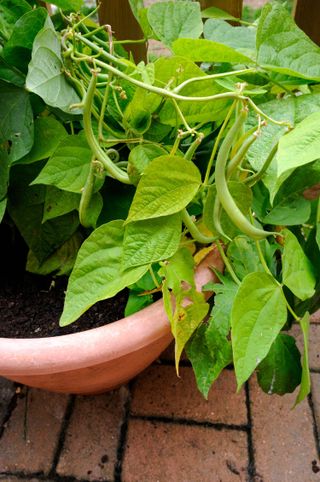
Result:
<point x="96" y="360"/>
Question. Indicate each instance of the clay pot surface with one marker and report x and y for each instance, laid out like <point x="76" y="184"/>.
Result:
<point x="96" y="360"/>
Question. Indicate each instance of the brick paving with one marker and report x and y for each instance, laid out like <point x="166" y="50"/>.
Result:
<point x="159" y="429"/>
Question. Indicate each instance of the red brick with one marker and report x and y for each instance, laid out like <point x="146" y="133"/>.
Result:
<point x="315" y="317"/>
<point x="158" y="391"/>
<point x="42" y="427"/>
<point x="315" y="379"/>
<point x="161" y="452"/>
<point x="314" y="343"/>
<point x="91" y="443"/>
<point x="283" y="438"/>
<point x="7" y="390"/>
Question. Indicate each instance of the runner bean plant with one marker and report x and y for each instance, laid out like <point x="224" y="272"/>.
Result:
<point x="126" y="174"/>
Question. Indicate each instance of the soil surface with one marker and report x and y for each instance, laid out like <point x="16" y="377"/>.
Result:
<point x="32" y="308"/>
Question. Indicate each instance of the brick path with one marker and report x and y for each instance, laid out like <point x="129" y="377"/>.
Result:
<point x="159" y="429"/>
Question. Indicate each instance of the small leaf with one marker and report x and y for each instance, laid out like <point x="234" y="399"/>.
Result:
<point x="259" y="313"/>
<point x="172" y="20"/>
<point x="305" y="386"/>
<point x="149" y="241"/>
<point x="97" y="274"/>
<point x="140" y="157"/>
<point x="48" y="133"/>
<point x="136" y="6"/>
<point x="177" y="269"/>
<point x="301" y="145"/>
<point x="224" y="294"/>
<point x="68" y="167"/>
<point x="298" y="274"/>
<point x="203" y="50"/>
<point x="244" y="256"/>
<point x="280" y="372"/>
<point x="137" y="302"/>
<point x="168" y="185"/>
<point x="214" y="12"/>
<point x="45" y="75"/>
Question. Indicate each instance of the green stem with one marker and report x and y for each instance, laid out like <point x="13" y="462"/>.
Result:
<point x="295" y="316"/>
<point x="227" y="263"/>
<point x="103" y="109"/>
<point x="153" y="276"/>
<point x="212" y="76"/>
<point x="265" y="116"/>
<point x="194" y="231"/>
<point x="112" y="170"/>
<point x="262" y="258"/>
<point x="193" y="147"/>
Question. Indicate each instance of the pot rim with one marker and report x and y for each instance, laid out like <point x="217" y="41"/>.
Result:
<point x="29" y="356"/>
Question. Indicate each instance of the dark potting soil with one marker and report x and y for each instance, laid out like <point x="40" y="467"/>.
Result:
<point x="32" y="307"/>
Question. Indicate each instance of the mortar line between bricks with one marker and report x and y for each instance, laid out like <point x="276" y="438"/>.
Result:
<point x="315" y="370"/>
<point x="189" y="422"/>
<point x="42" y="476"/>
<point x="62" y="435"/>
<point x="123" y="436"/>
<point x="251" y="453"/>
<point x="9" y="411"/>
<point x="314" y="423"/>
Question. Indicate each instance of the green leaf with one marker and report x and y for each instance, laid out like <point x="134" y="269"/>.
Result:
<point x="73" y="5"/>
<point x="16" y="122"/>
<point x="3" y="206"/>
<point x="179" y="268"/>
<point x="259" y="312"/>
<point x="305" y="386"/>
<point x="214" y="12"/>
<point x="48" y="133"/>
<point x="4" y="172"/>
<point x="149" y="241"/>
<point x="58" y="202"/>
<point x="208" y="357"/>
<point x="241" y="39"/>
<point x="11" y="74"/>
<point x="168" y="185"/>
<point x="97" y="273"/>
<point x="45" y="75"/>
<point x="172" y="20"/>
<point x="10" y="12"/>
<point x="60" y="262"/>
<point x="300" y="146"/>
<point x="224" y="294"/>
<point x="280" y="372"/>
<point x="203" y="50"/>
<point x="140" y="157"/>
<point x="297" y="271"/>
<point x="137" y="302"/>
<point x="290" y="211"/>
<point x="17" y="50"/>
<point x="68" y="167"/>
<point x="283" y="47"/>
<point x="136" y="6"/>
<point x="244" y="257"/>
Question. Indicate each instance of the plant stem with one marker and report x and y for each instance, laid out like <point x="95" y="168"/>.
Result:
<point x="86" y="198"/>
<point x="258" y="175"/>
<point x="113" y="170"/>
<point x="213" y="76"/>
<point x="153" y="276"/>
<point x="262" y="258"/>
<point x="227" y="263"/>
<point x="194" y="231"/>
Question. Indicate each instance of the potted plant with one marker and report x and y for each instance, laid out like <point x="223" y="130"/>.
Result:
<point x="138" y="169"/>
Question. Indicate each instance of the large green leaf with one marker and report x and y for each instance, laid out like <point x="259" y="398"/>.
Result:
<point x="152" y="240"/>
<point x="224" y="294"/>
<point x="58" y="202"/>
<point x="172" y="20"/>
<point x="203" y="50"/>
<point x="300" y="146"/>
<point x="140" y="157"/>
<point x="305" y="386"/>
<point x="17" y="50"/>
<point x="10" y="74"/>
<point x="207" y="363"/>
<point x="10" y="12"/>
<point x="283" y="47"/>
<point x="244" y="257"/>
<point x="297" y="271"/>
<point x="290" y="211"/>
<point x="68" y="167"/>
<point x="45" y="75"/>
<point x="48" y="133"/>
<point x="280" y="372"/>
<point x="259" y="312"/>
<point x="97" y="274"/>
<point x="168" y="185"/>
<point x="73" y="5"/>
<point x="16" y="121"/>
<point x="241" y="39"/>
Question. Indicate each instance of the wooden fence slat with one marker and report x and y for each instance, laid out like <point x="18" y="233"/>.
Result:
<point x="307" y="16"/>
<point x="234" y="7"/>
<point x="118" y="14"/>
